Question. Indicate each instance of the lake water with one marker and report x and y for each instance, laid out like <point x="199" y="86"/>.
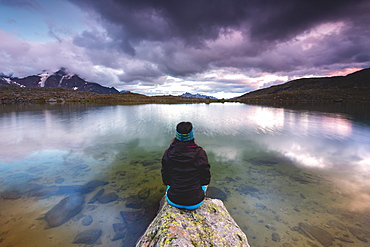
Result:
<point x="288" y="177"/>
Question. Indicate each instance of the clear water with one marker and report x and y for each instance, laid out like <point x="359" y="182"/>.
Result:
<point x="274" y="168"/>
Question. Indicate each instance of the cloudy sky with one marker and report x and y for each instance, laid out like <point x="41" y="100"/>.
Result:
<point x="222" y="48"/>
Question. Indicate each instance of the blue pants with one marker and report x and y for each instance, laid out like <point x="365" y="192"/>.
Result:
<point x="204" y="188"/>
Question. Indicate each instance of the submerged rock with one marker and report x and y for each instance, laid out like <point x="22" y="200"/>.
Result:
<point x="11" y="195"/>
<point x="208" y="225"/>
<point x="358" y="233"/>
<point x="106" y="198"/>
<point x="260" y="206"/>
<point x="275" y="237"/>
<point x="247" y="189"/>
<point x="92" y="185"/>
<point x="133" y="202"/>
<point x="337" y="224"/>
<point x="88" y="236"/>
<point x="317" y="233"/>
<point x="216" y="193"/>
<point x="87" y="220"/>
<point x="119" y="227"/>
<point x="118" y="236"/>
<point x="144" y="193"/>
<point x="96" y="196"/>
<point x="64" y="210"/>
<point x="129" y="216"/>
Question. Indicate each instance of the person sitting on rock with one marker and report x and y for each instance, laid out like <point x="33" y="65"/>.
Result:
<point x="185" y="170"/>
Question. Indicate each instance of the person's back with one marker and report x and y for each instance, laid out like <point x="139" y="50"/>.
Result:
<point x="185" y="169"/>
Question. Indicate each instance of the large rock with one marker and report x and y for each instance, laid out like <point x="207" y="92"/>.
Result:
<point x="88" y="236"/>
<point x="317" y="233"/>
<point x="64" y="210"/>
<point x="208" y="225"/>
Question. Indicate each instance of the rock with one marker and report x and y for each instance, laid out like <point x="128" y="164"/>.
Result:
<point x="96" y="196"/>
<point x="295" y="228"/>
<point x="337" y="224"/>
<point x="363" y="239"/>
<point x="216" y="193"/>
<point x="275" y="237"/>
<point x="147" y="163"/>
<point x="260" y="206"/>
<point x="64" y="210"/>
<point x="247" y="189"/>
<point x="358" y="233"/>
<point x="11" y="195"/>
<point x="131" y="215"/>
<point x="26" y="187"/>
<point x="88" y="236"/>
<point x="119" y="227"/>
<point x="287" y="245"/>
<point x="87" y="220"/>
<point x="317" y="233"/>
<point x="144" y="193"/>
<point x="270" y="227"/>
<point x="92" y="185"/>
<point x="345" y="239"/>
<point x="300" y="179"/>
<point x="118" y="236"/>
<point x="133" y="202"/>
<point x="208" y="225"/>
<point x="106" y="198"/>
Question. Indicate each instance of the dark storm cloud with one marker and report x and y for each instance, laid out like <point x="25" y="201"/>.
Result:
<point x="195" y="21"/>
<point x="183" y="37"/>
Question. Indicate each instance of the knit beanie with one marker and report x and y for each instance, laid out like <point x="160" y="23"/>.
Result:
<point x="184" y="131"/>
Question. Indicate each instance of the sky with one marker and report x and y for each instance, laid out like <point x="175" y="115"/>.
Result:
<point x="220" y="48"/>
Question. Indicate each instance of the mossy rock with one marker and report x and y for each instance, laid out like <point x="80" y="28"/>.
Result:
<point x="208" y="225"/>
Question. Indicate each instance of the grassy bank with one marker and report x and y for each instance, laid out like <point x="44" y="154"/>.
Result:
<point x="12" y="94"/>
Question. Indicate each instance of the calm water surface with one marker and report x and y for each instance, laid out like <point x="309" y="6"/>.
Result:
<point x="288" y="177"/>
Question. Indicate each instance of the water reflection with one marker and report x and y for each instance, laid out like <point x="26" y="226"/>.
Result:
<point x="276" y="168"/>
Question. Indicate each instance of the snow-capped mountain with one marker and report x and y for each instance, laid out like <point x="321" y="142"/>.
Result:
<point x="201" y="96"/>
<point x="59" y="79"/>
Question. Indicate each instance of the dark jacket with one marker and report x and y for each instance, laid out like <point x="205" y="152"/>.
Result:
<point x="185" y="168"/>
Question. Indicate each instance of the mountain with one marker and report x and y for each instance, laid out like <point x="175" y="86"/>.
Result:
<point x="200" y="96"/>
<point x="60" y="79"/>
<point x="353" y="87"/>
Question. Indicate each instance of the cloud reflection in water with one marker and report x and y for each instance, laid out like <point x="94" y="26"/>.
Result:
<point x="330" y="142"/>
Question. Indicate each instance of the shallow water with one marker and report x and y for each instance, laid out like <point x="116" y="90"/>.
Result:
<point x="280" y="172"/>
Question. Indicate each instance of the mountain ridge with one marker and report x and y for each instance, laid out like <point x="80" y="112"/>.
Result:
<point x="197" y="95"/>
<point x="59" y="79"/>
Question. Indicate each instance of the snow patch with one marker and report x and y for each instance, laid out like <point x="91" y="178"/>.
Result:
<point x="9" y="81"/>
<point x="64" y="77"/>
<point x="75" y="88"/>
<point x="43" y="79"/>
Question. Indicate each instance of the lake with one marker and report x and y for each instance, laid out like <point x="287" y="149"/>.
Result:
<point x="289" y="177"/>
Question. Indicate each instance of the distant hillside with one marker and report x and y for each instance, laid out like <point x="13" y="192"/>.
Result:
<point x="200" y="96"/>
<point x="354" y="87"/>
<point x="60" y="79"/>
<point x="11" y="94"/>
